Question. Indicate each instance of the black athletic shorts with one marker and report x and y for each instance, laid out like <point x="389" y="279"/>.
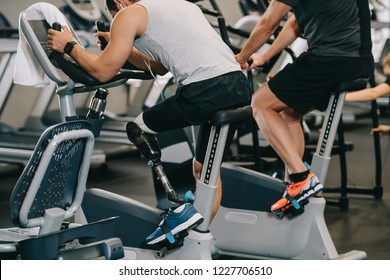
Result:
<point x="193" y="104"/>
<point x="307" y="83"/>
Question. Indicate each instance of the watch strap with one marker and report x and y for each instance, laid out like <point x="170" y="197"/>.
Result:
<point x="69" y="47"/>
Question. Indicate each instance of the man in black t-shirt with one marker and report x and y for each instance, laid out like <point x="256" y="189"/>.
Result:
<point x="339" y="50"/>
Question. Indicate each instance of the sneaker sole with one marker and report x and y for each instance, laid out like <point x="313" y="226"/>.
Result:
<point x="189" y="224"/>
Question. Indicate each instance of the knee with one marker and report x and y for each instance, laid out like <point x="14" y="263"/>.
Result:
<point x="257" y="103"/>
<point x="264" y="100"/>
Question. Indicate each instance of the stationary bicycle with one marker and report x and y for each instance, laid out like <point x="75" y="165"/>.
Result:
<point x="248" y="195"/>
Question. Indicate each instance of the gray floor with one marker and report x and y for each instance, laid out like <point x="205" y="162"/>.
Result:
<point x="365" y="226"/>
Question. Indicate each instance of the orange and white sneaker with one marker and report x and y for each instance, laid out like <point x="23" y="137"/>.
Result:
<point x="296" y="196"/>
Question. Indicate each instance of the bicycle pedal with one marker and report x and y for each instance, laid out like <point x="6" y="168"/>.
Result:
<point x="297" y="212"/>
<point x="279" y="215"/>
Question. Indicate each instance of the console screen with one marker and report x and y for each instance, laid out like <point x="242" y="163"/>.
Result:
<point x="40" y="28"/>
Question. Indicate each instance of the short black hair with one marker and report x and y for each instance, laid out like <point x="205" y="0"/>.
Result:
<point x="111" y="5"/>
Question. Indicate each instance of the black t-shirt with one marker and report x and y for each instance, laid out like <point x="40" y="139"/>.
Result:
<point x="388" y="81"/>
<point x="334" y="27"/>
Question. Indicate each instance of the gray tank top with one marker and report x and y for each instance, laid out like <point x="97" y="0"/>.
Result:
<point x="179" y="36"/>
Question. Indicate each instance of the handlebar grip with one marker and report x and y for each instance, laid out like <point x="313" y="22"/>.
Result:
<point x="56" y="26"/>
<point x="55" y="56"/>
<point x="100" y="26"/>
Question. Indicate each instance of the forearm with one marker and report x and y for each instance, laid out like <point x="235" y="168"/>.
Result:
<point x="127" y="25"/>
<point x="142" y="61"/>
<point x="286" y="37"/>
<point x="93" y="64"/>
<point x="100" y="67"/>
<point x="361" y="96"/>
<point x="368" y="94"/>
<point x="259" y="36"/>
<point x="264" y="29"/>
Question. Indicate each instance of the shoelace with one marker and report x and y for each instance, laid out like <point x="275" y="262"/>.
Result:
<point x="164" y="214"/>
<point x="292" y="187"/>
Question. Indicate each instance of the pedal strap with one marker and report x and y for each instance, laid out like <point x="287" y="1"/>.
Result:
<point x="293" y="201"/>
<point x="168" y="233"/>
<point x="289" y="197"/>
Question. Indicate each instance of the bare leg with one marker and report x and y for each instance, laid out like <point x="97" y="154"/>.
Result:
<point x="267" y="109"/>
<point x="197" y="170"/>
<point x="293" y="121"/>
<point x="281" y="127"/>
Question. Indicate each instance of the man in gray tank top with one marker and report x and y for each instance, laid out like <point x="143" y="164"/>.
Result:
<point x="339" y="50"/>
<point x="162" y="36"/>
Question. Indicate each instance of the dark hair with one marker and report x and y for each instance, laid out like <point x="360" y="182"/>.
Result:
<point x="111" y="5"/>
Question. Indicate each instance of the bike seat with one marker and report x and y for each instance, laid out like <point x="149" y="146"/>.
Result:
<point x="357" y="84"/>
<point x="231" y="115"/>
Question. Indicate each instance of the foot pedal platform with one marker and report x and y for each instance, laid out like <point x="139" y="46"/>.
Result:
<point x="294" y="209"/>
<point x="167" y="245"/>
<point x="178" y="240"/>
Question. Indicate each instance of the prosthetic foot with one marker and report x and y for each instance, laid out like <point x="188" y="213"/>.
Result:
<point x="297" y="196"/>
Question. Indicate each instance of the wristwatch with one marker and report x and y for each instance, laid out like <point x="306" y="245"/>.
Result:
<point x="69" y="47"/>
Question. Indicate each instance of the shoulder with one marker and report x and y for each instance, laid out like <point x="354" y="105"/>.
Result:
<point x="135" y="10"/>
<point x="134" y="16"/>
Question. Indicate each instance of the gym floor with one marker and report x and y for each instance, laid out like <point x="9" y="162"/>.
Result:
<point x="365" y="226"/>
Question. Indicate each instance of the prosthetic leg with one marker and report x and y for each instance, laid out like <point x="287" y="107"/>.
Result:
<point x="147" y="144"/>
<point x="175" y="221"/>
